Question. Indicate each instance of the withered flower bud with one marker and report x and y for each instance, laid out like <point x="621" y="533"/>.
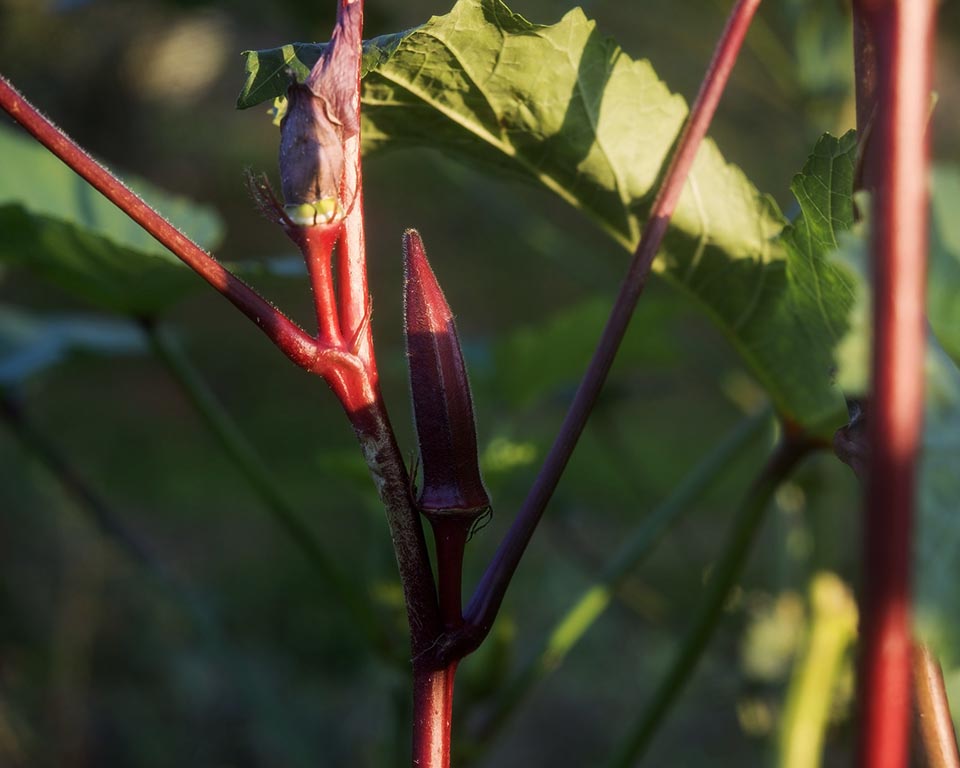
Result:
<point x="322" y="114"/>
<point x="443" y="408"/>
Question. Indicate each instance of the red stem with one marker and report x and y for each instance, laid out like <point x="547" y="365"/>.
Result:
<point x="291" y="339"/>
<point x="316" y="244"/>
<point x="432" y="716"/>
<point x="363" y="403"/>
<point x="485" y="604"/>
<point x="901" y="32"/>
<point x="351" y="253"/>
<point x="355" y="304"/>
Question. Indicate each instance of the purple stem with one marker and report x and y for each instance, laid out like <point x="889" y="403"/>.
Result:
<point x="486" y="601"/>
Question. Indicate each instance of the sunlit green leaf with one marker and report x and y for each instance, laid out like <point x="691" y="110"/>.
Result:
<point x="56" y="225"/>
<point x="565" y="107"/>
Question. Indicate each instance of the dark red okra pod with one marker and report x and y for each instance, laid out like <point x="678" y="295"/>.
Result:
<point x="443" y="408"/>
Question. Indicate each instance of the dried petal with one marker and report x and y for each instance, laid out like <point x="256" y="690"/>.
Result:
<point x="322" y="113"/>
<point x="442" y="405"/>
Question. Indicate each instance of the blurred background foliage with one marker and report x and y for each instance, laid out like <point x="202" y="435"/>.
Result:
<point x="198" y="634"/>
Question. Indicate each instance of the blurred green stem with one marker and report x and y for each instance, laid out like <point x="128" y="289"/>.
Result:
<point x="251" y="466"/>
<point x="724" y="574"/>
<point x="238" y="684"/>
<point x="594" y="600"/>
<point x="87" y="500"/>
<point x="106" y="521"/>
<point x="833" y="629"/>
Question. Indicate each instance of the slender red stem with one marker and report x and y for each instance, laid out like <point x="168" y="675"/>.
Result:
<point x="291" y="339"/>
<point x="355" y="306"/>
<point x="316" y="244"/>
<point x="484" y="605"/>
<point x="901" y="32"/>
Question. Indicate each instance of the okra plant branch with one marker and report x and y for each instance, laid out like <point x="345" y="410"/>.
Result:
<point x="894" y="65"/>
<point x="344" y="360"/>
<point x="486" y="601"/>
<point x="288" y="337"/>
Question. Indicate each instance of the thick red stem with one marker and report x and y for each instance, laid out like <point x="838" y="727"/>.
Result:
<point x="432" y="716"/>
<point x="364" y="406"/>
<point x="292" y="340"/>
<point x="901" y="35"/>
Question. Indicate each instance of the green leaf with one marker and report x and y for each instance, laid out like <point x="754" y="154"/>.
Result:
<point x="59" y="227"/>
<point x="943" y="285"/>
<point x="535" y="361"/>
<point x="269" y="71"/>
<point x="564" y="107"/>
<point x="30" y="344"/>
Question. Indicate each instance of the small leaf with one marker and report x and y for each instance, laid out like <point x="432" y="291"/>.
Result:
<point x="59" y="227"/>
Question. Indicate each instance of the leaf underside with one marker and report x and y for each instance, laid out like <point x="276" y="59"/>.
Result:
<point x="58" y="226"/>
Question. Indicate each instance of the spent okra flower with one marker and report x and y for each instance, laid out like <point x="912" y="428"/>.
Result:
<point x="321" y="115"/>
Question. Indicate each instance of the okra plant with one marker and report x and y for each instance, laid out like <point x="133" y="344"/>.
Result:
<point x="606" y="135"/>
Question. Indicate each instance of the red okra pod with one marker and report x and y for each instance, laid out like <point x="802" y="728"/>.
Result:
<point x="443" y="408"/>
